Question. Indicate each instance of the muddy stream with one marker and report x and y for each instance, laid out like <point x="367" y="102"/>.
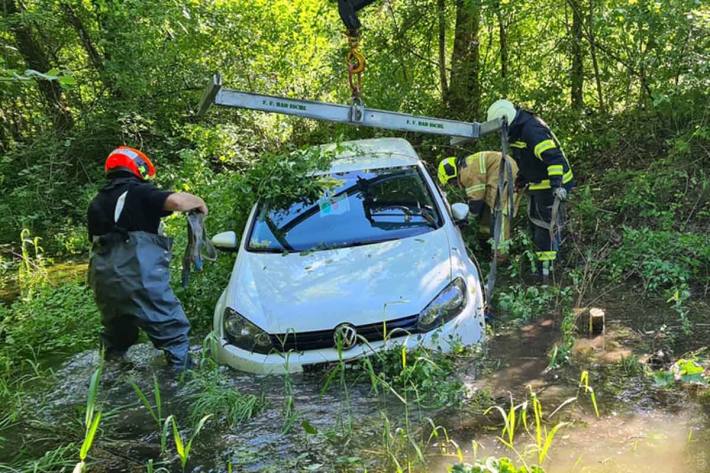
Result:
<point x="347" y="427"/>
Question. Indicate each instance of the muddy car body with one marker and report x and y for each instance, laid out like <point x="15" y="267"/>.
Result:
<point x="377" y="261"/>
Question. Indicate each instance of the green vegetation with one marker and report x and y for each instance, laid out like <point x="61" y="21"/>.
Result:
<point x="525" y="303"/>
<point x="215" y="396"/>
<point x="683" y="371"/>
<point x="622" y="82"/>
<point x="55" y="320"/>
<point x="92" y="420"/>
<point x="155" y="411"/>
<point x="183" y="447"/>
<point x="526" y="434"/>
<point x="495" y="465"/>
<point x="422" y="377"/>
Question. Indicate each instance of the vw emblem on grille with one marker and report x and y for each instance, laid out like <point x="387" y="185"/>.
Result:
<point x="345" y="334"/>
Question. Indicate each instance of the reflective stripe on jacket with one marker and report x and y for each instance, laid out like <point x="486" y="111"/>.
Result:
<point x="543" y="164"/>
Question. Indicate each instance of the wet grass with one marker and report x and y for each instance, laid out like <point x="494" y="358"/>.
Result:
<point x="155" y="409"/>
<point x="215" y="395"/>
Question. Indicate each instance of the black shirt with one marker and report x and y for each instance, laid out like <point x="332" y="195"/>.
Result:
<point x="142" y="210"/>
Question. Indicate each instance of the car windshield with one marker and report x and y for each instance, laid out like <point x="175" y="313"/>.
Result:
<point x="363" y="207"/>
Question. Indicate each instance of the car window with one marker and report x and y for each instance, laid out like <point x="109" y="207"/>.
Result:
<point x="365" y="206"/>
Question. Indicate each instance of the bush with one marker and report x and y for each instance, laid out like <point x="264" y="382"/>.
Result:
<point x="423" y="376"/>
<point x="664" y="260"/>
<point x="56" y="320"/>
<point x="527" y="303"/>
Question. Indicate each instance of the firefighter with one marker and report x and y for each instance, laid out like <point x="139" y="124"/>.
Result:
<point x="129" y="265"/>
<point x="478" y="174"/>
<point x="546" y="172"/>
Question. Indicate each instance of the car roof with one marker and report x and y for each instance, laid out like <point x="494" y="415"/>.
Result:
<point x="371" y="154"/>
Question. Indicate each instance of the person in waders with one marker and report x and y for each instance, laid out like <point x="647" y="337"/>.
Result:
<point x="547" y="174"/>
<point x="129" y="266"/>
<point x="478" y="174"/>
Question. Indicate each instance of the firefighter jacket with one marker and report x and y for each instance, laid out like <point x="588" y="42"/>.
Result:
<point x="538" y="153"/>
<point x="479" y="176"/>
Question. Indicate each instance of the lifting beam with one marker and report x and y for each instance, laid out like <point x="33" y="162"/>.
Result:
<point x="356" y="114"/>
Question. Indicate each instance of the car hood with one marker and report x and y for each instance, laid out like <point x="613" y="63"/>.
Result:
<point x="359" y="285"/>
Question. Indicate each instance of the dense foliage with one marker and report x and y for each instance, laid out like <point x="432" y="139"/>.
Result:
<point x="76" y="82"/>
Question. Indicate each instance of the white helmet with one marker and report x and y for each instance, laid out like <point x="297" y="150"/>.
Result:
<point x="502" y="108"/>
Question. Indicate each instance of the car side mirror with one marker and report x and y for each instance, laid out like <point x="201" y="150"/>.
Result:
<point x="226" y="241"/>
<point x="459" y="212"/>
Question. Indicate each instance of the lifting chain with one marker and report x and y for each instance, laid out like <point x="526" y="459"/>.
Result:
<point x="355" y="60"/>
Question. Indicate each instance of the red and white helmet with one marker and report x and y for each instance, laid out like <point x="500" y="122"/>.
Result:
<point x="130" y="159"/>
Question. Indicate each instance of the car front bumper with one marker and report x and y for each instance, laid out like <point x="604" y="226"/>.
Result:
<point x="467" y="328"/>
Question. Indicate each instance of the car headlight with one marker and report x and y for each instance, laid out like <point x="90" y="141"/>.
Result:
<point x="244" y="334"/>
<point x="445" y="306"/>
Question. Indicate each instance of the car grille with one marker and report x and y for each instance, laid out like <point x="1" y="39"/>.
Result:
<point x="304" y="341"/>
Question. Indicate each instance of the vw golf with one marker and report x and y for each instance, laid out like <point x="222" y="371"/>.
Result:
<point x="377" y="261"/>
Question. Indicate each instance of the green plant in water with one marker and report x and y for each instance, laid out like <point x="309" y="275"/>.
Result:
<point x="494" y="465"/>
<point x="515" y="417"/>
<point x="150" y="468"/>
<point x="339" y="371"/>
<point x="92" y="418"/>
<point x="424" y="377"/>
<point x="397" y="443"/>
<point x="214" y="395"/>
<point x="155" y="412"/>
<point x="32" y="271"/>
<point x="58" y="459"/>
<point x="288" y="410"/>
<point x="685" y="371"/>
<point x="181" y="447"/>
<point x="543" y="437"/>
<point x="560" y="353"/>
<point x="510" y="420"/>
<point x="678" y="303"/>
<point x="585" y="386"/>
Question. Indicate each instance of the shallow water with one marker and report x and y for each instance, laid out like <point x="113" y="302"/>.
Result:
<point x="641" y="429"/>
<point x="652" y="441"/>
<point x="55" y="273"/>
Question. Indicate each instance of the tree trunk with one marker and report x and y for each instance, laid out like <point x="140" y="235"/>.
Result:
<point x="593" y="52"/>
<point x="503" y="40"/>
<point x="441" y="4"/>
<point x="37" y="59"/>
<point x="464" y="88"/>
<point x="577" y="72"/>
<point x="94" y="57"/>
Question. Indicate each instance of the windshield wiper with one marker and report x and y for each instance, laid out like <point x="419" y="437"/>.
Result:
<point x="267" y="250"/>
<point x="408" y="211"/>
<point x="428" y="214"/>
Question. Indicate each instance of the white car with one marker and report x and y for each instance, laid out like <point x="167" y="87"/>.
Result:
<point x="377" y="261"/>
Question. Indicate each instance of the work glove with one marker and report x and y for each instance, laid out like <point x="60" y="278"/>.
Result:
<point x="520" y="182"/>
<point x="476" y="207"/>
<point x="560" y="193"/>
